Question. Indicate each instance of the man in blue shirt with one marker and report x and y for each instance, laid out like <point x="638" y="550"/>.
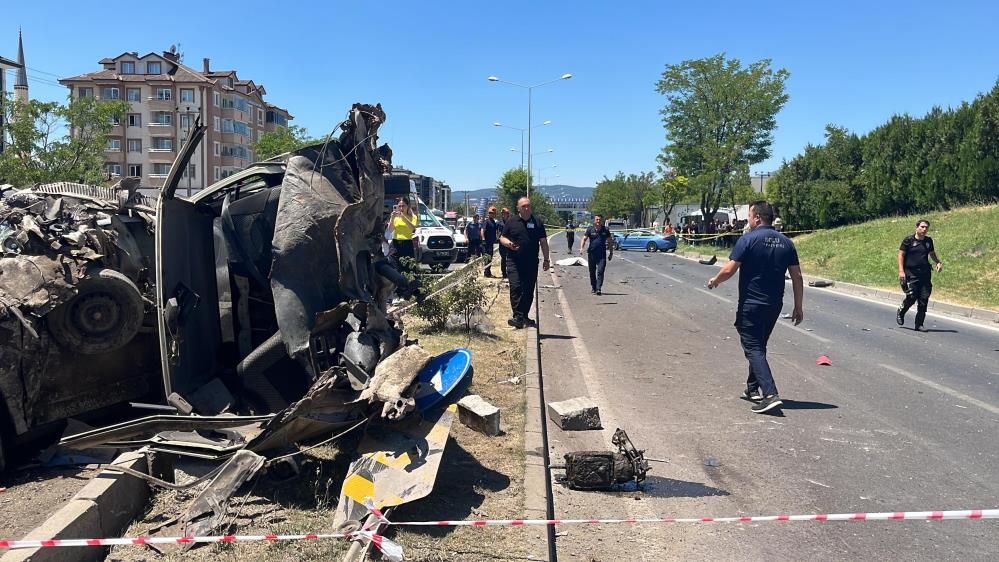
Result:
<point x="597" y="235"/>
<point x="763" y="254"/>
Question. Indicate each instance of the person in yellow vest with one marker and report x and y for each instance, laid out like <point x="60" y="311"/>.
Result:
<point x="403" y="224"/>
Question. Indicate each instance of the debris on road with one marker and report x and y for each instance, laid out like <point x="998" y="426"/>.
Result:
<point x="575" y="414"/>
<point x="821" y="283"/>
<point x="572" y="261"/>
<point x="601" y="470"/>
<point x="823" y="360"/>
<point x="710" y="261"/>
<point x="712" y="462"/>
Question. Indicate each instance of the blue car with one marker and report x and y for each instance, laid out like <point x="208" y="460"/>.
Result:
<point x="645" y="240"/>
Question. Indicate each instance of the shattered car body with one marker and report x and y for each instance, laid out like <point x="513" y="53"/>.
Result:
<point x="76" y="308"/>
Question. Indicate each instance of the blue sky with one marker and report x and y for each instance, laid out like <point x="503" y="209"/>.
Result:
<point x="851" y="63"/>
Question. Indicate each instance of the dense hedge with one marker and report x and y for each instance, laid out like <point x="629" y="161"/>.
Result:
<point x="908" y="165"/>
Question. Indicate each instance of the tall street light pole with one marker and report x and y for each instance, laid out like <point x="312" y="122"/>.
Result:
<point x="530" y="92"/>
<point x="548" y="122"/>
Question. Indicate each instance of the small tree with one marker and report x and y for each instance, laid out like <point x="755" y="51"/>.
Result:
<point x="466" y="298"/>
<point x="34" y="154"/>
<point x="281" y="140"/>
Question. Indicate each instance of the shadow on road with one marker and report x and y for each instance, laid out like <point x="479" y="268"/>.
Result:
<point x="934" y="330"/>
<point x="606" y="294"/>
<point x="555" y="337"/>
<point x="661" y="487"/>
<point x="801" y="405"/>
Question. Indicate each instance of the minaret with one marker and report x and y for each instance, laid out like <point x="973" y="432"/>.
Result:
<point x="21" y="83"/>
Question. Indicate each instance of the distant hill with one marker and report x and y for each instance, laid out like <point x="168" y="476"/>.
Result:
<point x="549" y="190"/>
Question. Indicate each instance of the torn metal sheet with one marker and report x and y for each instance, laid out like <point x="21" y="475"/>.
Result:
<point x="398" y="464"/>
<point x="209" y="508"/>
<point x="155" y="424"/>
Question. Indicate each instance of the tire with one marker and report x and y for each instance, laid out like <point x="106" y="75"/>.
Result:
<point x="651" y="247"/>
<point x="104" y="315"/>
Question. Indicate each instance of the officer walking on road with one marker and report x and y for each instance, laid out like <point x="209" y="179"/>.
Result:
<point x="522" y="236"/>
<point x="570" y="235"/>
<point x="597" y="256"/>
<point x="914" y="273"/>
<point x="763" y="254"/>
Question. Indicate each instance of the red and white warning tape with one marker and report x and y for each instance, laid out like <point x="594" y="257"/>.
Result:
<point x="393" y="551"/>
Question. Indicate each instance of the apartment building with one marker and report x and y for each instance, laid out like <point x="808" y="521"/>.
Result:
<point x="434" y="193"/>
<point x="165" y="99"/>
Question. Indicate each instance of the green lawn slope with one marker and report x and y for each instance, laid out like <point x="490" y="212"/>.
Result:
<point x="966" y="240"/>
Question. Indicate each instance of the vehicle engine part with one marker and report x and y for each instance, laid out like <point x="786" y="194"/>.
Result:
<point x="104" y="315"/>
<point x="601" y="470"/>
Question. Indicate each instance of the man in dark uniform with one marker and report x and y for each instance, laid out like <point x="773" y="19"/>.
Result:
<point x="500" y="224"/>
<point x="596" y="256"/>
<point x="764" y="255"/>
<point x="570" y="234"/>
<point x="522" y="235"/>
<point x="914" y="273"/>
<point x="489" y="239"/>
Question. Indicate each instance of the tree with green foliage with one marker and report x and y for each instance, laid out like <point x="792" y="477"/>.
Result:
<point x="281" y="140"/>
<point x="36" y="152"/>
<point x="512" y="186"/>
<point x="626" y="196"/>
<point x="719" y="119"/>
<point x="669" y="190"/>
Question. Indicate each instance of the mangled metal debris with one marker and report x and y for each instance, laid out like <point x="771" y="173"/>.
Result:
<point x="601" y="470"/>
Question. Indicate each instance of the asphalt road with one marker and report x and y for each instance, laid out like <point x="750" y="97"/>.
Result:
<point x="901" y="421"/>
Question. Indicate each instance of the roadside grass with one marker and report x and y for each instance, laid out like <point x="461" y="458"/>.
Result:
<point x="966" y="239"/>
<point x="480" y="477"/>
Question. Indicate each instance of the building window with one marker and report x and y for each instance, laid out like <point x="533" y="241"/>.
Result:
<point x="164" y="93"/>
<point x="218" y="147"/>
<point x="185" y="121"/>
<point x="133" y="94"/>
<point x="260" y="133"/>
<point x="135" y="145"/>
<point x="115" y="120"/>
<point x="162" y="144"/>
<point x="160" y="169"/>
<point x="128" y="67"/>
<point x="109" y="93"/>
<point x="218" y="100"/>
<point x="190" y="172"/>
<point x="135" y="170"/>
<point x="86" y="92"/>
<point x="134" y="119"/>
<point x="260" y="117"/>
<point x="217" y="123"/>
<point x="217" y="177"/>
<point x="113" y="169"/>
<point x="154" y="68"/>
<point x="187" y="95"/>
<point x="114" y="145"/>
<point x="162" y="118"/>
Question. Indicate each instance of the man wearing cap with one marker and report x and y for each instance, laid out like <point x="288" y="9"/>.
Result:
<point x="489" y="240"/>
<point x="763" y="254"/>
<point x="522" y="236"/>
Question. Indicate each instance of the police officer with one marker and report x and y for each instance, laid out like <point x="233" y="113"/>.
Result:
<point x="570" y="234"/>
<point x="763" y="255"/>
<point x="489" y="239"/>
<point x="500" y="225"/>
<point x="914" y="273"/>
<point x="523" y="234"/>
<point x="596" y="256"/>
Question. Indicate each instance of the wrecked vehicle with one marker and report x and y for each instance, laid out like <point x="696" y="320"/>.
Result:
<point x="76" y="311"/>
<point x="270" y="300"/>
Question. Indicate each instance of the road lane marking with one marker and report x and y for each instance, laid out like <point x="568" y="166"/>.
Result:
<point x="946" y="390"/>
<point x="804" y="332"/>
<point x="715" y="295"/>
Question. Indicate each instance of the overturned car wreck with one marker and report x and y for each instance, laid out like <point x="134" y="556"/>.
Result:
<point x="76" y="303"/>
<point x="270" y="308"/>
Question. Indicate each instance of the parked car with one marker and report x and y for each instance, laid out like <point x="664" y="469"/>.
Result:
<point x="616" y="226"/>
<point x="647" y="240"/>
<point x="438" y="248"/>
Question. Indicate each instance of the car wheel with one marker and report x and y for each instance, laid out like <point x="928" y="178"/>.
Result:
<point x="651" y="247"/>
<point x="103" y="316"/>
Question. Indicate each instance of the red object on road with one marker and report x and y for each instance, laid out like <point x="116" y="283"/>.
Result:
<point x="823" y="360"/>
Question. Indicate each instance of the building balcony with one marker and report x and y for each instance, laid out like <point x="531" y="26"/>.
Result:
<point x="155" y="125"/>
<point x="161" y="104"/>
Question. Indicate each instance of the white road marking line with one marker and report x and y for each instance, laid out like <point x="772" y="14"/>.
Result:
<point x="715" y="295"/>
<point x="803" y="331"/>
<point x="946" y="390"/>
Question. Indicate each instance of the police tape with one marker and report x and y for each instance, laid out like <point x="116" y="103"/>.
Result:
<point x="393" y="551"/>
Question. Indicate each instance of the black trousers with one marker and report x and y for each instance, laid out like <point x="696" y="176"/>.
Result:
<point x="523" y="276"/>
<point x="570" y="237"/>
<point x="503" y="254"/>
<point x="487" y="250"/>
<point x="403" y="249"/>
<point x="597" y="262"/>
<point x="919" y="289"/>
<point x="755" y="323"/>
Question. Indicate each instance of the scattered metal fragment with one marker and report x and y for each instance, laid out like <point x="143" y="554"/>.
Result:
<point x="601" y="470"/>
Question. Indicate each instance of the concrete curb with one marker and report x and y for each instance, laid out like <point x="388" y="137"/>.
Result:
<point x="103" y="508"/>
<point x="984" y="316"/>
<point x="535" y="471"/>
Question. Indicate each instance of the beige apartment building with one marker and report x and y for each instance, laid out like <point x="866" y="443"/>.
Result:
<point x="165" y="99"/>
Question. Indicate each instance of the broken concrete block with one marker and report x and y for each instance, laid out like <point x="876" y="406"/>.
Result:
<point x="575" y="414"/>
<point x="476" y="413"/>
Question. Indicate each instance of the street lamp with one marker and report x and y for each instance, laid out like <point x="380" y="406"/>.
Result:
<point x="530" y="90"/>
<point x="543" y="169"/>
<point x="548" y="122"/>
